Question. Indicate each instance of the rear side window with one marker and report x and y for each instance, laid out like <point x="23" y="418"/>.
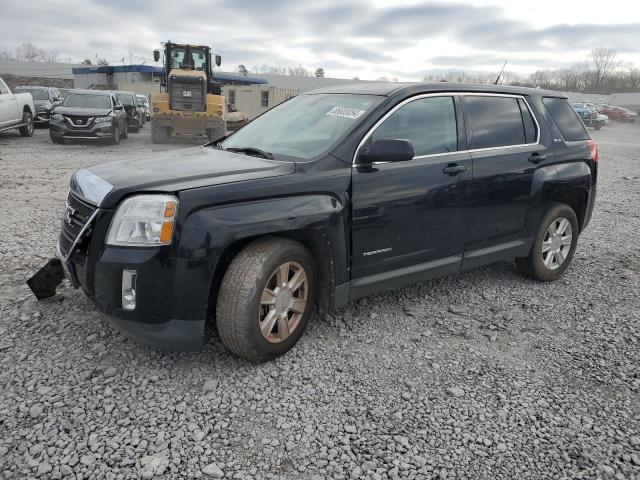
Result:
<point x="567" y="120"/>
<point x="429" y="123"/>
<point x="495" y="121"/>
<point x="530" y="130"/>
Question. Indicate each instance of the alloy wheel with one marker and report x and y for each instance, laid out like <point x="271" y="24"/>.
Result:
<point x="557" y="243"/>
<point x="283" y="302"/>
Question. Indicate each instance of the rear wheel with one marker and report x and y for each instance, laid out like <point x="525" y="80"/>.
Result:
<point x="554" y="246"/>
<point x="159" y="134"/>
<point x="266" y="298"/>
<point x="26" y="130"/>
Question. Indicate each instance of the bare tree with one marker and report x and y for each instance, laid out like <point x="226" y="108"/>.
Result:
<point x="604" y="63"/>
<point x="27" y="51"/>
<point x="299" y="71"/>
<point x="5" y="55"/>
<point x="49" y="56"/>
<point x="242" y="70"/>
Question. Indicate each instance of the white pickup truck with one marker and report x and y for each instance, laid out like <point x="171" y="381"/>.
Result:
<point x="16" y="111"/>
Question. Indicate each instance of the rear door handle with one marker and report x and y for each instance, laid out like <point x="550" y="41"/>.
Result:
<point x="536" y="157"/>
<point x="453" y="169"/>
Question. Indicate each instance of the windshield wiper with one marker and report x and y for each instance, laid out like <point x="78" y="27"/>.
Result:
<point x="251" y="151"/>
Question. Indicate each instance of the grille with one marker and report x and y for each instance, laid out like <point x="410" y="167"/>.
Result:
<point x="188" y="93"/>
<point x="74" y="119"/>
<point x="75" y="217"/>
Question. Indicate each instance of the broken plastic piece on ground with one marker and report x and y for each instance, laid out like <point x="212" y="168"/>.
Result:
<point x="43" y="284"/>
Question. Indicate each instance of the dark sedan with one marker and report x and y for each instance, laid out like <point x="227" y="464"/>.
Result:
<point x="88" y="115"/>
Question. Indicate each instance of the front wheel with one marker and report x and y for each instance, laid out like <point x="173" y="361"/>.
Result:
<point x="266" y="298"/>
<point x="115" y="136"/>
<point x="554" y="245"/>
<point x="26" y="130"/>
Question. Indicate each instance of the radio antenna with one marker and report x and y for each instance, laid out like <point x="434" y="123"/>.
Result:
<point x="500" y="74"/>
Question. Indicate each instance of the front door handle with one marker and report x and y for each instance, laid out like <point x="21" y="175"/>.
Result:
<point x="453" y="169"/>
<point x="536" y="157"/>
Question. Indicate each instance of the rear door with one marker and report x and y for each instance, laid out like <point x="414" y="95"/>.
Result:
<point x="504" y="145"/>
<point x="9" y="113"/>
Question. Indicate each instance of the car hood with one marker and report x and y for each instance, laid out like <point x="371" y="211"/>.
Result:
<point x="87" y="112"/>
<point x="107" y="183"/>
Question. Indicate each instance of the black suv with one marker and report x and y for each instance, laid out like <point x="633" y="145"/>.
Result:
<point x="88" y="115"/>
<point x="134" y="111"/>
<point x="330" y="196"/>
<point x="45" y="99"/>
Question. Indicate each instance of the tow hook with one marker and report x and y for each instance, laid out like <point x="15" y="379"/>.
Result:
<point x="43" y="284"/>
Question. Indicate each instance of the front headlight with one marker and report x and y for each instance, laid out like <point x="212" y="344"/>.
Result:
<point x="102" y="119"/>
<point x="143" y="221"/>
<point x="57" y="116"/>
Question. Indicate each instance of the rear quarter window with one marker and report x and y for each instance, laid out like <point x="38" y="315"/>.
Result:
<point x="566" y="119"/>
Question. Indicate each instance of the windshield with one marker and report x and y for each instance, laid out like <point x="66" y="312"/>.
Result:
<point x="305" y="126"/>
<point x="125" y="99"/>
<point x="142" y="99"/>
<point x="86" y="101"/>
<point x="195" y="60"/>
<point x="36" y="93"/>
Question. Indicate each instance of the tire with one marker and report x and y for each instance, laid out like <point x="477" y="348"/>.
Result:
<point x="216" y="133"/>
<point x="543" y="267"/>
<point x="59" y="141"/>
<point x="115" y="136"/>
<point x="159" y="134"/>
<point x="597" y="126"/>
<point x="241" y="317"/>
<point x="27" y="129"/>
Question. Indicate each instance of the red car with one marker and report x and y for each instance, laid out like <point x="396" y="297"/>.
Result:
<point x="618" y="113"/>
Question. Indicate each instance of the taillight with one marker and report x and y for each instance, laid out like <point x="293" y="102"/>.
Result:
<point x="593" y="150"/>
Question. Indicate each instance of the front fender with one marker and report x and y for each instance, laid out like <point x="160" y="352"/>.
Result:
<point x="206" y="233"/>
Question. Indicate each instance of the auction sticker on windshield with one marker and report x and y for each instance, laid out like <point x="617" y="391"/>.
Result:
<point x="345" y="112"/>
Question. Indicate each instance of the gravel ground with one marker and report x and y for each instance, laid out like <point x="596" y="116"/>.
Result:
<point x="483" y="375"/>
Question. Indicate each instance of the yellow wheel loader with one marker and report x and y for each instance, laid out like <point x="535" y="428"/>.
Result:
<point x="191" y="103"/>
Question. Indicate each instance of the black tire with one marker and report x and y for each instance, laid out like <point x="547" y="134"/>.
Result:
<point x="159" y="134"/>
<point x="115" y="136"/>
<point x="57" y="140"/>
<point x="238" y="305"/>
<point x="27" y="129"/>
<point x="533" y="265"/>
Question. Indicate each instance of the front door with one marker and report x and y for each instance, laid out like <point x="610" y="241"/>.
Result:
<point x="410" y="218"/>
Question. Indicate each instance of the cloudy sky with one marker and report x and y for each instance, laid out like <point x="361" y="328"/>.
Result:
<point x="348" y="38"/>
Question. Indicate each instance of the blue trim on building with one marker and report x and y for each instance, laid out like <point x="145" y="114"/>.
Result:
<point x="110" y="69"/>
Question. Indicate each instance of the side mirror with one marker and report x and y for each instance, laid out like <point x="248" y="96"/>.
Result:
<point x="156" y="55"/>
<point x="387" y="150"/>
<point x="218" y="60"/>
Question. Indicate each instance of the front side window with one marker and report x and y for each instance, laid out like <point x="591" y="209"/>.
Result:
<point x="428" y="123"/>
<point x="86" y="101"/>
<point x="305" y="126"/>
<point x="495" y="121"/>
<point x="3" y="88"/>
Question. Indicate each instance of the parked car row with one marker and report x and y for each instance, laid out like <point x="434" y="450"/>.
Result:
<point x="73" y="114"/>
<point x="590" y="116"/>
